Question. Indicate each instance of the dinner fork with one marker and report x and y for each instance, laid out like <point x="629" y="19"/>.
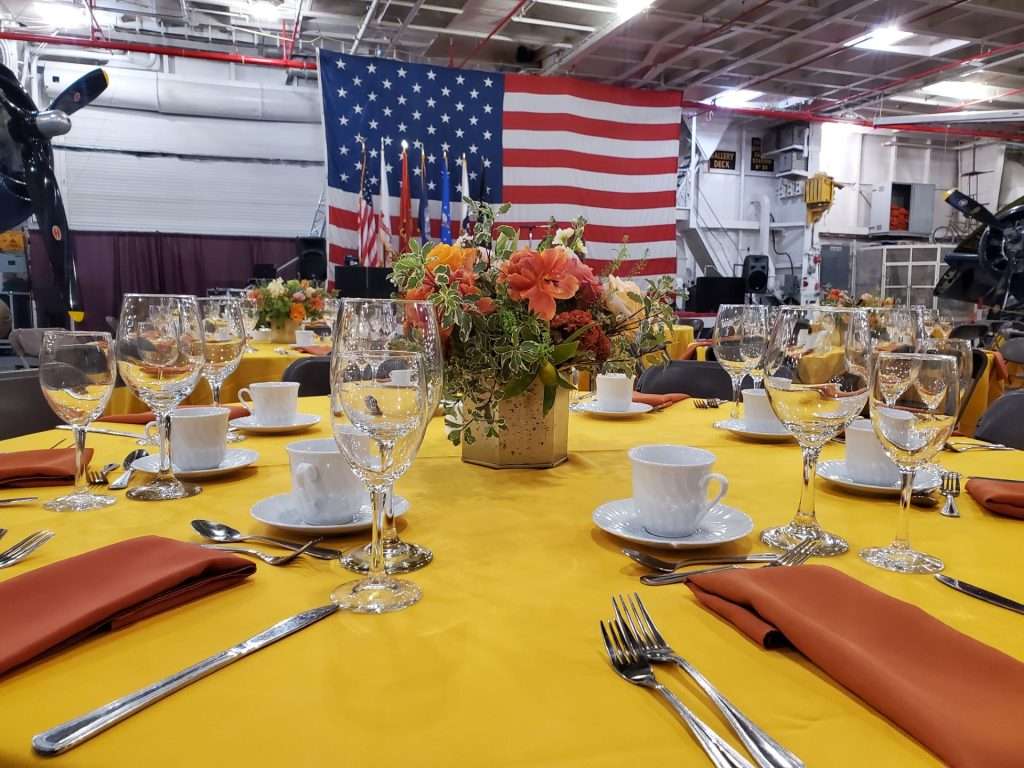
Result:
<point x="268" y="559"/>
<point x="669" y="566"/>
<point x="100" y="477"/>
<point x="708" y="403"/>
<point x="634" y="668"/>
<point x="635" y="622"/>
<point x="796" y="556"/>
<point x="24" y="548"/>
<point x="950" y="489"/>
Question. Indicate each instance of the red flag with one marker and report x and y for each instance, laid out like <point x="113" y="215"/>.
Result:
<point x="405" y="231"/>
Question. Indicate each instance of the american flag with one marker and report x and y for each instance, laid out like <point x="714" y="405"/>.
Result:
<point x="552" y="147"/>
<point x="367" y="222"/>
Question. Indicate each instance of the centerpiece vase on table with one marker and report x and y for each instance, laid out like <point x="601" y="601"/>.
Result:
<point x="515" y="321"/>
<point x="283" y="331"/>
<point x="284" y="305"/>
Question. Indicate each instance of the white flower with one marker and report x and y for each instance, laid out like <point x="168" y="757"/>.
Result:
<point x="563" y="236"/>
<point x="275" y="288"/>
<point x="617" y="298"/>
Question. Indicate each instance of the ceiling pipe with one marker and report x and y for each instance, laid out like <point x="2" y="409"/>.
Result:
<point x="497" y="28"/>
<point x="362" y="27"/>
<point x="163" y="50"/>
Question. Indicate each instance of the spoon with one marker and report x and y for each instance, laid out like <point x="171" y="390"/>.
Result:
<point x="225" y="534"/>
<point x="124" y="479"/>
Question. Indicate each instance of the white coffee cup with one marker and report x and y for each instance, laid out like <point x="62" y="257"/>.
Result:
<point x="614" y="391"/>
<point x="198" y="437"/>
<point x="758" y="413"/>
<point x="670" y="488"/>
<point x="261" y="335"/>
<point x="271" y="403"/>
<point x="324" y="489"/>
<point x="866" y="462"/>
<point x="305" y="338"/>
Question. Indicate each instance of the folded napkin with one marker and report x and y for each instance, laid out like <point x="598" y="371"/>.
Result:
<point x="659" y="401"/>
<point x="107" y="588"/>
<point x="237" y="412"/>
<point x="1004" y="497"/>
<point x="902" y="661"/>
<point x="22" y="469"/>
<point x="315" y="349"/>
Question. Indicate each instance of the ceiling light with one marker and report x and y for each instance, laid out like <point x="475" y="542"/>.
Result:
<point x="629" y="8"/>
<point x="734" y="98"/>
<point x="262" y="10"/>
<point x="60" y="14"/>
<point x="962" y="90"/>
<point x="892" y="39"/>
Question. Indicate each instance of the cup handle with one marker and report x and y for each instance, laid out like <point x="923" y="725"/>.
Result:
<point x="245" y="404"/>
<point x="306" y="477"/>
<point x="150" y="429"/>
<point x="723" y="487"/>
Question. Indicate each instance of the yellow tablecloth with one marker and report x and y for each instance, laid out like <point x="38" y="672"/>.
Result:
<point x="988" y="389"/>
<point x="679" y="338"/>
<point x="501" y="663"/>
<point x="265" y="364"/>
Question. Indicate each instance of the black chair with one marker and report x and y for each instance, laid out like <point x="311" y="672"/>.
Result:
<point x="691" y="377"/>
<point x="1013" y="350"/>
<point x="313" y="375"/>
<point x="1002" y="421"/>
<point x="973" y="332"/>
<point x="23" y="409"/>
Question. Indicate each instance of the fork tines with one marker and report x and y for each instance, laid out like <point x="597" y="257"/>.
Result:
<point x="24" y="548"/>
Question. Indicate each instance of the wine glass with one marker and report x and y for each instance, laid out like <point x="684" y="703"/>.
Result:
<point x="250" y="319"/>
<point x="223" y="340"/>
<point x="414" y="328"/>
<point x="160" y="357"/>
<point x="379" y="382"/>
<point x="739" y="340"/>
<point x="962" y="352"/>
<point x="911" y="430"/>
<point x="816" y="378"/>
<point x="76" y="373"/>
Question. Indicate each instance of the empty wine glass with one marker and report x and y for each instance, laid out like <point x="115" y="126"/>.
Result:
<point x="417" y="332"/>
<point x="739" y="340"/>
<point x="76" y="373"/>
<point x="379" y="408"/>
<point x="160" y="357"/>
<point x="962" y="352"/>
<point x="250" y="319"/>
<point x="816" y="378"/>
<point x="911" y="430"/>
<point x="223" y="340"/>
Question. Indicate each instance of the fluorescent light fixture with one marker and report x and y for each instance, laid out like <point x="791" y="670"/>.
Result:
<point x="262" y="10"/>
<point x="61" y="14"/>
<point x="879" y="39"/>
<point x="964" y="90"/>
<point x="734" y="98"/>
<point x="628" y="8"/>
<point x="892" y="39"/>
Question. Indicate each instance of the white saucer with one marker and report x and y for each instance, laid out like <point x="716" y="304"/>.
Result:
<point x="591" y="407"/>
<point x="722" y="524"/>
<point x="234" y="458"/>
<point x="925" y="480"/>
<point x="739" y="427"/>
<point x="274" y="511"/>
<point x="302" y="421"/>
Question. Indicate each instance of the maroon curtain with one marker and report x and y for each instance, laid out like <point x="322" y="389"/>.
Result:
<point x="111" y="264"/>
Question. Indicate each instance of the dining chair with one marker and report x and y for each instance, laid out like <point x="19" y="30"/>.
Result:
<point x="691" y="377"/>
<point x="313" y="375"/>
<point x="23" y="409"/>
<point x="27" y="342"/>
<point x="1001" y="422"/>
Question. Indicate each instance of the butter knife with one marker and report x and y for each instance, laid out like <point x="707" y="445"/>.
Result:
<point x="979" y="593"/>
<point x="72" y="733"/>
<point x="105" y="431"/>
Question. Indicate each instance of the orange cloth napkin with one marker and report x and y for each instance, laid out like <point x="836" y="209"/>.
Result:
<point x="315" y="349"/>
<point x="107" y="588"/>
<point x="237" y="412"/>
<point x="23" y="469"/>
<point x="659" y="401"/>
<point x="902" y="661"/>
<point x="1004" y="497"/>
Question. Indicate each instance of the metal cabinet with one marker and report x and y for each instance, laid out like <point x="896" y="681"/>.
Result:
<point x="902" y="210"/>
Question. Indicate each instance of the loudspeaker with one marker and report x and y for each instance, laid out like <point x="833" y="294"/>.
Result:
<point x="755" y="274"/>
<point x="709" y="292"/>
<point x="263" y="272"/>
<point x="363" y="282"/>
<point x="312" y="254"/>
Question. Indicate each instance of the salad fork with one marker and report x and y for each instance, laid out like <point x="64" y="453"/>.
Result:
<point x="635" y="622"/>
<point x="633" y="668"/>
<point x="24" y="548"/>
<point x="268" y="559"/>
<point x="950" y="489"/>
<point x="796" y="556"/>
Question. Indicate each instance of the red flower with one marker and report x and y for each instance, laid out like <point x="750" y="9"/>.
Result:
<point x="540" y="278"/>
<point x="485" y="305"/>
<point x="593" y="340"/>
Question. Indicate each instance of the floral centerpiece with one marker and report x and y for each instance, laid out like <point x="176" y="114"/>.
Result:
<point x="284" y="304"/>
<point x="515" y="320"/>
<point x="836" y="297"/>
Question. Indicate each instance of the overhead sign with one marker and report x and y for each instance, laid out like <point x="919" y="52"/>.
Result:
<point x="723" y="160"/>
<point x="758" y="162"/>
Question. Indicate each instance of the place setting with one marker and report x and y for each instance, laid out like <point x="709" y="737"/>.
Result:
<point x="613" y="398"/>
<point x="273" y="409"/>
<point x="199" y="446"/>
<point x="758" y="421"/>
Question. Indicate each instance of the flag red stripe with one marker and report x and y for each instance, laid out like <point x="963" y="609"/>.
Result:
<point x="606" y="129"/>
<point x="662" y="266"/>
<point x="582" y="161"/>
<point x="598" y="233"/>
<point x="585" y="89"/>
<point x="342" y="217"/>
<point x="590" y="197"/>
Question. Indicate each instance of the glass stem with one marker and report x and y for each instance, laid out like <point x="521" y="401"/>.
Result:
<point x="390" y="531"/>
<point x="379" y="501"/>
<point x="163" y="421"/>
<point x="902" y="540"/>
<point x="215" y="388"/>
<point x="805" y="512"/>
<point x="737" y="381"/>
<point x="80" y="465"/>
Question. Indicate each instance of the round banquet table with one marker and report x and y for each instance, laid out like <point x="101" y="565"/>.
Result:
<point x="501" y="663"/>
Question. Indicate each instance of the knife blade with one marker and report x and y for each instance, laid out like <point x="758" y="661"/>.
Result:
<point x="72" y="733"/>
<point x="104" y="431"/>
<point x="979" y="593"/>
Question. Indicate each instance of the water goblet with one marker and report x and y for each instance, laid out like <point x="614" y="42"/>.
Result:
<point x="250" y="319"/>
<point x="76" y="374"/>
<point x="739" y="340"/>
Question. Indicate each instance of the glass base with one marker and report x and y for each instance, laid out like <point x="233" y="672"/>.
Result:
<point x="901" y="560"/>
<point x="163" y="490"/>
<point x="399" y="557"/>
<point x="380" y="595"/>
<point x="79" y="502"/>
<point x="787" y="536"/>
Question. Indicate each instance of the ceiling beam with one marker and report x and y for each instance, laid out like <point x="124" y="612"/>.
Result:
<point x="560" y="62"/>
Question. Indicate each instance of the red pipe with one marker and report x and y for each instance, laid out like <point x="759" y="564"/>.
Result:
<point x="165" y="50"/>
<point x="497" y="28"/>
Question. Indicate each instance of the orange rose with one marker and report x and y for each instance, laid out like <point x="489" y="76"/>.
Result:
<point x="540" y="278"/>
<point x="298" y="313"/>
<point x="450" y="256"/>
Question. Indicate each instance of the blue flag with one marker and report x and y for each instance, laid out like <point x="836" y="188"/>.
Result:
<point x="422" y="214"/>
<point x="446" y="204"/>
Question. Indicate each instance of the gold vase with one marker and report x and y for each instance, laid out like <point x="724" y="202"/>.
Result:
<point x="283" y="331"/>
<point x="532" y="439"/>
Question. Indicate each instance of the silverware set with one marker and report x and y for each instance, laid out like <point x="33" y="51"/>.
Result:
<point x="23" y="548"/>
<point x="712" y="402"/>
<point x="634" y="643"/>
<point x="798" y="555"/>
<point x="268" y="559"/>
<point x="225" y="534"/>
<point x="950" y="489"/>
<point x="99" y="477"/>
<point x="963" y="447"/>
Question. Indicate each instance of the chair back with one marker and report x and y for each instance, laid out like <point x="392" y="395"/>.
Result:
<point x="23" y="409"/>
<point x="973" y="332"/>
<point x="313" y="375"/>
<point x="697" y="323"/>
<point x="1013" y="350"/>
<point x="691" y="377"/>
<point x="27" y="342"/>
<point x="1001" y="422"/>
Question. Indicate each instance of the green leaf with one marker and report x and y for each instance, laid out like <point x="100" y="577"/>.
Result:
<point x="518" y="385"/>
<point x="564" y="383"/>
<point x="563" y="352"/>
<point x="549" y="397"/>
